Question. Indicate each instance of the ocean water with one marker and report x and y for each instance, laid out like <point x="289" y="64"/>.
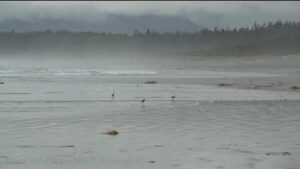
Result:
<point x="54" y="118"/>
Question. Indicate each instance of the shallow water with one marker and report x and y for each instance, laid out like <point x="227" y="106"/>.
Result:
<point x="56" y="120"/>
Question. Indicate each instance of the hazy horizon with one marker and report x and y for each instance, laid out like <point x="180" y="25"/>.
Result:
<point x="205" y="14"/>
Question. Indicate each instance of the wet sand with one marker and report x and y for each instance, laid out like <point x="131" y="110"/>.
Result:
<point x="57" y="121"/>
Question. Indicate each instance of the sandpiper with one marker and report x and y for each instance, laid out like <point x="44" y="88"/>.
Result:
<point x="113" y="94"/>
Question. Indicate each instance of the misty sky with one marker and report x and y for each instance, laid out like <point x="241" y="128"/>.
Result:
<point x="205" y="14"/>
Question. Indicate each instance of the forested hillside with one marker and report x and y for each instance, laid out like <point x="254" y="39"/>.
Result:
<point x="273" y="38"/>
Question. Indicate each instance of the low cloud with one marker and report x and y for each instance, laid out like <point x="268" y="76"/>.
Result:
<point x="206" y="14"/>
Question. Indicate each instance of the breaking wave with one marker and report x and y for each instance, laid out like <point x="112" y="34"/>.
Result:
<point x="71" y="72"/>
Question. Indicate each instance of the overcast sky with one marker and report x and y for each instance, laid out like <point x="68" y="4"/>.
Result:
<point x="205" y="14"/>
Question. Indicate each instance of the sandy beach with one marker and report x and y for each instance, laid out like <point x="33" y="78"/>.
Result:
<point x="54" y="118"/>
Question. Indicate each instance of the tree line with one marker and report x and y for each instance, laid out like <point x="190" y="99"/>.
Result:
<point x="272" y="38"/>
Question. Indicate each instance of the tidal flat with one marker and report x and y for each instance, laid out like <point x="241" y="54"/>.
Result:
<point x="54" y="118"/>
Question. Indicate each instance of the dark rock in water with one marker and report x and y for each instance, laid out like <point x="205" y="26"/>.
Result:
<point x="25" y="146"/>
<point x="64" y="146"/>
<point x="286" y="153"/>
<point x="150" y="82"/>
<point x="279" y="153"/>
<point x="32" y="146"/>
<point x="243" y="151"/>
<point x="261" y="86"/>
<point x="111" y="133"/>
<point x="1" y="82"/>
<point x="255" y="87"/>
<point x="225" y="84"/>
<point x="295" y="87"/>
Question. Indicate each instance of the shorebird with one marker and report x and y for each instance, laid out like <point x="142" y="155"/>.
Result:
<point x="142" y="101"/>
<point x="113" y="94"/>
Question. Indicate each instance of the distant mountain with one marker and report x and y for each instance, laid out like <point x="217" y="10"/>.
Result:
<point x="113" y="23"/>
<point x="158" y="23"/>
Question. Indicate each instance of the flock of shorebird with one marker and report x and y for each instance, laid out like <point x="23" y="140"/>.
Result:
<point x="143" y="100"/>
